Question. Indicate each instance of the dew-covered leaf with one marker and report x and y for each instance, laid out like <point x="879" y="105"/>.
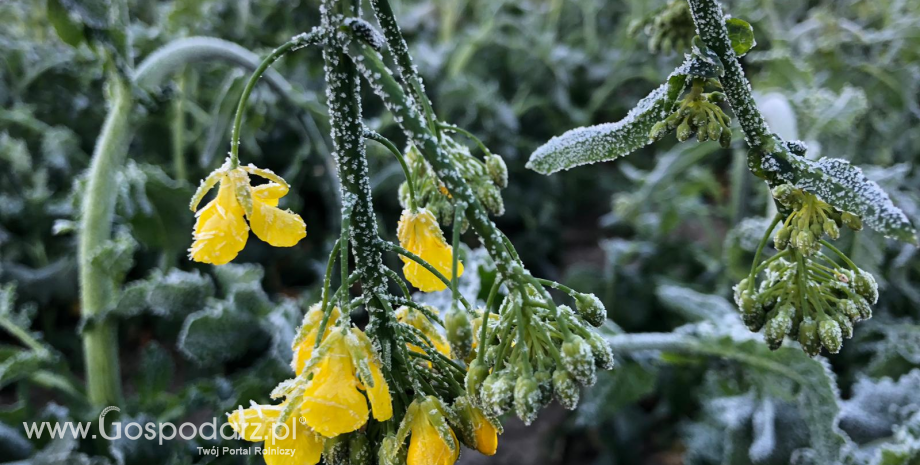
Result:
<point x="216" y="334"/>
<point x="741" y="34"/>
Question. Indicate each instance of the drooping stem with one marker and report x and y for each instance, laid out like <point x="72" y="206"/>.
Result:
<point x="710" y="25"/>
<point x="400" y="158"/>
<point x="100" y="345"/>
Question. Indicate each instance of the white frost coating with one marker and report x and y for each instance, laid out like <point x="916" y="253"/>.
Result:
<point x="844" y="186"/>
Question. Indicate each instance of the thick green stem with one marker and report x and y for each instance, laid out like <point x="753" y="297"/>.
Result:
<point x="372" y="135"/>
<point x="100" y="346"/>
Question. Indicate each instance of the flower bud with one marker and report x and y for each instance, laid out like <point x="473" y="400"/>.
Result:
<point x="591" y="309"/>
<point x="830" y="334"/>
<point x="851" y="221"/>
<point x="335" y="450"/>
<point x="603" y="356"/>
<point x="846" y="326"/>
<point x="683" y="130"/>
<point x="527" y="399"/>
<point x="865" y="310"/>
<point x="754" y="321"/>
<point x="476" y="430"/>
<point x="725" y="139"/>
<point x="475" y="376"/>
<point x="848" y="307"/>
<point x="497" y="391"/>
<point x="658" y="131"/>
<point x="389" y="452"/>
<point x="459" y="333"/>
<point x="564" y="389"/>
<point x="864" y="284"/>
<point x="403" y="194"/>
<point x="578" y="360"/>
<point x="714" y="129"/>
<point x="781" y="239"/>
<point x="491" y="198"/>
<point x="777" y="327"/>
<point x="359" y="449"/>
<point x="545" y="382"/>
<point x="786" y="195"/>
<point x="808" y="337"/>
<point x="831" y="229"/>
<point x="498" y="171"/>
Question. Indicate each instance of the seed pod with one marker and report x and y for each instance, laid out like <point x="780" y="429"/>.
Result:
<point x="497" y="392"/>
<point x="564" y="389"/>
<point x="359" y="449"/>
<point x="591" y="309"/>
<point x="777" y="327"/>
<point x="527" y="399"/>
<point x="459" y="333"/>
<point x="864" y="284"/>
<point x="851" y="221"/>
<point x="831" y="229"/>
<point x="808" y="337"/>
<point x="578" y="360"/>
<point x="830" y="334"/>
<point x="498" y="170"/>
<point x="475" y="376"/>
<point x="603" y="355"/>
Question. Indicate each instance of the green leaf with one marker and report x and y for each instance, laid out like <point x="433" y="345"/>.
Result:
<point x="741" y="35"/>
<point x="68" y="30"/>
<point x="217" y="334"/>
<point x="844" y="186"/>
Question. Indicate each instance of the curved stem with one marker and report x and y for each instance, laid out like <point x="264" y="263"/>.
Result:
<point x="467" y="134"/>
<point x="760" y="247"/>
<point x="410" y="181"/>
<point x="421" y="261"/>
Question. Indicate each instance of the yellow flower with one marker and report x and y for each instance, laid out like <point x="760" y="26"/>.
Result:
<point x="221" y="230"/>
<point x="332" y="401"/>
<point x="306" y="337"/>
<point x="257" y="423"/>
<point x="420" y="234"/>
<point x="433" y="442"/>
<point x="419" y="321"/>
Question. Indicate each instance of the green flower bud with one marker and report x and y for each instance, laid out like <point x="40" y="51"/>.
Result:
<point x="475" y="376"/>
<point x="831" y="229"/>
<point x="846" y="326"/>
<point x="404" y="195"/>
<point x="603" y="355"/>
<point x="851" y="221"/>
<point x="389" y="452"/>
<point x="830" y="334"/>
<point x="359" y="449"/>
<point x="491" y="198"/>
<point x="725" y="139"/>
<point x="865" y="310"/>
<point x="808" y="337"/>
<point x="498" y="171"/>
<point x="497" y="393"/>
<point x="683" y="131"/>
<point x="545" y="381"/>
<point x="781" y="239"/>
<point x="591" y="309"/>
<point x="564" y="389"/>
<point x="527" y="399"/>
<point x="849" y="308"/>
<point x="787" y="195"/>
<point x="579" y="360"/>
<point x="335" y="450"/>
<point x="754" y="321"/>
<point x="701" y="133"/>
<point x="715" y="129"/>
<point x="864" y="284"/>
<point x="659" y="130"/>
<point x="777" y="327"/>
<point x="459" y="333"/>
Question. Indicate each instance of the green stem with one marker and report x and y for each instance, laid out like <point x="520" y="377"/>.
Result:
<point x="178" y="130"/>
<point x="100" y="345"/>
<point x="374" y="136"/>
<point x="450" y="127"/>
<point x="760" y="247"/>
<point x="459" y="208"/>
<point x="841" y="255"/>
<point x="421" y="261"/>
<point x="19" y="333"/>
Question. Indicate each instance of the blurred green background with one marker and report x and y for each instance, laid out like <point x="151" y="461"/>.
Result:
<point x="660" y="236"/>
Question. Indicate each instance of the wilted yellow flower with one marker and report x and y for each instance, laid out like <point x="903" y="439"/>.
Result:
<point x="221" y="230"/>
<point x="257" y="423"/>
<point x="420" y="234"/>
<point x="306" y="337"/>
<point x="419" y="321"/>
<point x="433" y="442"/>
<point x="332" y="403"/>
<point x="481" y="433"/>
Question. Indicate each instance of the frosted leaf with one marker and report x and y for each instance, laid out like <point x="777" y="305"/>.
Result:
<point x="609" y="141"/>
<point x="877" y="406"/>
<point x="844" y="186"/>
<point x="694" y="305"/>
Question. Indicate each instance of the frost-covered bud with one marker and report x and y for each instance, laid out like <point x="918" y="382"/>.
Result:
<point x="389" y="452"/>
<point x="808" y="337"/>
<point x="475" y="376"/>
<point x="491" y="198"/>
<point x="865" y="310"/>
<point x="497" y="393"/>
<point x="787" y="195"/>
<point x="545" y="381"/>
<point x="781" y="239"/>
<point x="725" y="139"/>
<point x="851" y="221"/>
<point x="659" y="130"/>
<point x="864" y="284"/>
<point x="714" y="129"/>
<point x="564" y="389"/>
<point x="848" y="307"/>
<point x="591" y="309"/>
<point x="754" y="321"/>
<point x="359" y="449"/>
<point x="498" y="170"/>
<point x="830" y="334"/>
<point x="739" y="290"/>
<point x="846" y="326"/>
<point x="831" y="229"/>
<point x="403" y="195"/>
<point x="527" y="399"/>
<point x="683" y="130"/>
<point x="603" y="355"/>
<point x="578" y="360"/>
<point x="777" y="327"/>
<point x="459" y="333"/>
<point x="335" y="450"/>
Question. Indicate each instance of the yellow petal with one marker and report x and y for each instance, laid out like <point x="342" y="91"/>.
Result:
<point x="303" y="348"/>
<point x="254" y="423"/>
<point x="220" y="230"/>
<point x="307" y="446"/>
<point x="379" y="394"/>
<point x="332" y="403"/>
<point x="420" y="234"/>
<point x="486" y="433"/>
<point x="426" y="446"/>
<point x="269" y="193"/>
<point x="277" y="227"/>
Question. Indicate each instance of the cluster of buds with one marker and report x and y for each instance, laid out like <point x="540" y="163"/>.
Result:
<point x="669" y="28"/>
<point x="486" y="177"/>
<point x="698" y="113"/>
<point x="537" y="351"/>
<point x="811" y="219"/>
<point x="805" y="293"/>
